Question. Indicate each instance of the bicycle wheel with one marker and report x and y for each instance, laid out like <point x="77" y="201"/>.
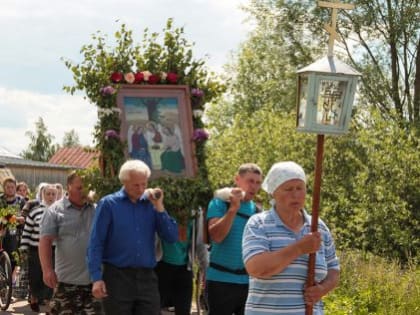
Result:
<point x="5" y="281"/>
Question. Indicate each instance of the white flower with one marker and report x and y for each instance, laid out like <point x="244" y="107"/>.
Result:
<point x="163" y="75"/>
<point x="102" y="112"/>
<point x="198" y="113"/>
<point x="146" y="75"/>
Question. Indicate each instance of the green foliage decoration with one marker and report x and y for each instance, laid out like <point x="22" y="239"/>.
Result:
<point x="157" y="55"/>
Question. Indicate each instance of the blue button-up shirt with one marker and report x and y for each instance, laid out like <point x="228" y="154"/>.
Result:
<point x="123" y="233"/>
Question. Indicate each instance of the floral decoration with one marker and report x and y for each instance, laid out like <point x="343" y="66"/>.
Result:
<point x="146" y="77"/>
<point x="196" y="92"/>
<point x="117" y="77"/>
<point x="8" y="218"/>
<point x="111" y="133"/>
<point x="100" y="74"/>
<point x="200" y="135"/>
<point x="129" y="77"/>
<point x="172" y="77"/>
<point x="107" y="90"/>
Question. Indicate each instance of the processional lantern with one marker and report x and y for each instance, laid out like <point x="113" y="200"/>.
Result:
<point x="326" y="91"/>
<point x="325" y="98"/>
<point x="326" y="88"/>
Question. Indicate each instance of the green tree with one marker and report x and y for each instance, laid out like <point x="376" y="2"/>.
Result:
<point x="71" y="139"/>
<point x="382" y="40"/>
<point x="263" y="73"/>
<point x="41" y="147"/>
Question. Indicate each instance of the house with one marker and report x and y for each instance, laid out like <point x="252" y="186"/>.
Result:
<point x="32" y="172"/>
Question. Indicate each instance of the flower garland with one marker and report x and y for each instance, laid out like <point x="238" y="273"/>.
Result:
<point x="146" y="77"/>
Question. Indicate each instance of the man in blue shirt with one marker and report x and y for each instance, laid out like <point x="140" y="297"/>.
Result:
<point x="123" y="243"/>
<point x="227" y="279"/>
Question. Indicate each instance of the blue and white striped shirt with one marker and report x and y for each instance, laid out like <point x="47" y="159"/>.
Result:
<point x="283" y="293"/>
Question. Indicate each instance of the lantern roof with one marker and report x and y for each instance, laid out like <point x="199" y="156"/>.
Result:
<point x="328" y="65"/>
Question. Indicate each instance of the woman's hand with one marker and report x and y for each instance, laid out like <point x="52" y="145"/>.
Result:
<point x="310" y="243"/>
<point x="313" y="294"/>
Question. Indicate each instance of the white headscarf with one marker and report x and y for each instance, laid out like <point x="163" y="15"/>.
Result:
<point x="280" y="173"/>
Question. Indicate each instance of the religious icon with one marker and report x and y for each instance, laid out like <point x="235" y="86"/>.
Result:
<point x="157" y="125"/>
<point x="330" y="101"/>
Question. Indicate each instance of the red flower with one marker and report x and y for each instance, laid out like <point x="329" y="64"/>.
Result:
<point x="153" y="79"/>
<point x="117" y="77"/>
<point x="172" y="77"/>
<point x="138" y="77"/>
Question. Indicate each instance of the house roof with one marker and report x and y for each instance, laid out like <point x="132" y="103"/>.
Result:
<point x="6" y="152"/>
<point x="11" y="161"/>
<point x="75" y="156"/>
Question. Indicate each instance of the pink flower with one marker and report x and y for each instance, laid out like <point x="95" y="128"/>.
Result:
<point x="200" y="135"/>
<point x="116" y="77"/>
<point x="107" y="90"/>
<point x="129" y="77"/>
<point x="172" y="77"/>
<point x="196" y="92"/>
<point x="111" y="133"/>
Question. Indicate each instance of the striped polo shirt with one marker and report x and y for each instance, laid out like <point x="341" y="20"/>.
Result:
<point x="283" y="293"/>
<point x="228" y="253"/>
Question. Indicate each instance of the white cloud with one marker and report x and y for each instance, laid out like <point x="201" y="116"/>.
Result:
<point x="60" y="113"/>
<point x="36" y="34"/>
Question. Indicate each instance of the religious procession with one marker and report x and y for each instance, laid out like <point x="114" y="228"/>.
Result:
<point x="288" y="186"/>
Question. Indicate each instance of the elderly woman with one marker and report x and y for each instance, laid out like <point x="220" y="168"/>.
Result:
<point x="275" y="248"/>
<point x="30" y="242"/>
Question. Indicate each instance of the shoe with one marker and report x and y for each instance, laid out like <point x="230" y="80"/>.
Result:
<point x="35" y="306"/>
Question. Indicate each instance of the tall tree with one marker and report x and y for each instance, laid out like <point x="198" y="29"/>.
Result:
<point x="71" y="139"/>
<point x="41" y="146"/>
<point x="263" y="72"/>
<point x="382" y="39"/>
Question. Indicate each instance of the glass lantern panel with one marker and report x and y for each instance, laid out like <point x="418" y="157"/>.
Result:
<point x="303" y="99"/>
<point x="330" y="101"/>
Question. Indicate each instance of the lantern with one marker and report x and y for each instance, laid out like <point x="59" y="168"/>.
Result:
<point x="325" y="96"/>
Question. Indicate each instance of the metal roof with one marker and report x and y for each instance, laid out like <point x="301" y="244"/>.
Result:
<point x="75" y="156"/>
<point x="6" y="152"/>
<point x="330" y="64"/>
<point x="13" y="161"/>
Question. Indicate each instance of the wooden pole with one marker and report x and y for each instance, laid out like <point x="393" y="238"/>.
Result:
<point x="315" y="212"/>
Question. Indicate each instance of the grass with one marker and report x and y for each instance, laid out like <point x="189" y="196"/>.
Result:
<point x="372" y="285"/>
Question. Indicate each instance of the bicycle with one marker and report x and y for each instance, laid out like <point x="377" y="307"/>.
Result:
<point x="6" y="282"/>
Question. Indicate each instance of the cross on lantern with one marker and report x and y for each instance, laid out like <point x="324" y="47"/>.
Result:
<point x="331" y="28"/>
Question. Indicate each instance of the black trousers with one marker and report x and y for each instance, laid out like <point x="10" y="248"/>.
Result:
<point x="131" y="291"/>
<point x="226" y="298"/>
<point x="175" y="287"/>
<point x="36" y="284"/>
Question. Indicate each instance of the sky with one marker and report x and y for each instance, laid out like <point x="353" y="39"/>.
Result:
<point x="35" y="35"/>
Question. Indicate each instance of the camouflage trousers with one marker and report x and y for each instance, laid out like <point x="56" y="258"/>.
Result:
<point x="70" y="299"/>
